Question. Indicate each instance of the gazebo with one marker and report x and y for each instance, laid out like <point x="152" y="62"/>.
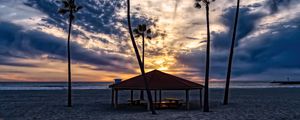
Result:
<point x="157" y="81"/>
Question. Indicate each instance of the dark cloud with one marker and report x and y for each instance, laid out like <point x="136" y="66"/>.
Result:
<point x="274" y="50"/>
<point x="197" y="60"/>
<point x="97" y="16"/>
<point x="19" y="43"/>
<point x="4" y="60"/>
<point x="12" y="71"/>
<point x="275" y="5"/>
<point x="247" y="23"/>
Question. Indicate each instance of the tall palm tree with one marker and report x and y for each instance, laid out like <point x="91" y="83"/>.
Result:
<point x="139" y="59"/>
<point x="225" y="102"/>
<point x="143" y="31"/>
<point x="198" y="5"/>
<point x="70" y="8"/>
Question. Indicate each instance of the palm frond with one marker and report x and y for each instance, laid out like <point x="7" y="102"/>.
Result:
<point x="78" y="8"/>
<point x="149" y="31"/>
<point x="197" y="5"/>
<point x="66" y="3"/>
<point x="140" y="28"/>
<point x="72" y="17"/>
<point x="149" y="37"/>
<point x="144" y="27"/>
<point x="137" y="35"/>
<point x="63" y="11"/>
<point x="135" y="31"/>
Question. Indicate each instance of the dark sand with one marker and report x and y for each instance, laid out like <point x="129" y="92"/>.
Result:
<point x="245" y="104"/>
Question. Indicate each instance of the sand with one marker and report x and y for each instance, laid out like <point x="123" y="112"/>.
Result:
<point x="245" y="104"/>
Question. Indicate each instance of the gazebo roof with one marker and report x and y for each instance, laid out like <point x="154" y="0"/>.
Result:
<point x="157" y="81"/>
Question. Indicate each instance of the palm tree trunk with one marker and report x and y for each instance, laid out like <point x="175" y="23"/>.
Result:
<point x="69" y="64"/>
<point x="225" y="102"/>
<point x="139" y="59"/>
<point x="206" y="102"/>
<point x="143" y="59"/>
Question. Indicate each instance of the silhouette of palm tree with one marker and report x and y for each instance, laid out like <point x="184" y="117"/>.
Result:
<point x="70" y="8"/>
<point x="225" y="102"/>
<point x="143" y="31"/>
<point x="198" y="5"/>
<point x="139" y="59"/>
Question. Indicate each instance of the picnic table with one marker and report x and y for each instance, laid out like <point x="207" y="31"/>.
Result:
<point x="137" y="102"/>
<point x="164" y="103"/>
<point x="171" y="103"/>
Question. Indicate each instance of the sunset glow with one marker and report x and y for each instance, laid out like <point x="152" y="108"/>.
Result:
<point x="101" y="49"/>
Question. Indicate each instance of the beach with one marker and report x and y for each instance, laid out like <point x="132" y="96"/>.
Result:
<point x="245" y="104"/>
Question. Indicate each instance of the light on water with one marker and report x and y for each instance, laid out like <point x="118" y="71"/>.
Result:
<point x="53" y="85"/>
<point x="104" y="85"/>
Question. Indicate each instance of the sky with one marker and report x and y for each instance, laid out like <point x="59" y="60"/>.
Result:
<point x="33" y="40"/>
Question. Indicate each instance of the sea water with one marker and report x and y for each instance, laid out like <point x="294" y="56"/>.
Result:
<point x="52" y="85"/>
<point x="104" y="85"/>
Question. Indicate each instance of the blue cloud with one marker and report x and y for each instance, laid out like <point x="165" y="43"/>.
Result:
<point x="19" y="43"/>
<point x="247" y="23"/>
<point x="95" y="17"/>
<point x="276" y="49"/>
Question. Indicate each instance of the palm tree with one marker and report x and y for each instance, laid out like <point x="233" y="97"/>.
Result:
<point x="139" y="59"/>
<point x="143" y="31"/>
<point x="71" y="8"/>
<point x="198" y="5"/>
<point x="225" y="102"/>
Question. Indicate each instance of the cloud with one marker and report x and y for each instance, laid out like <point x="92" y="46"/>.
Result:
<point x="17" y="43"/>
<point x="247" y="22"/>
<point x="275" y="5"/>
<point x="11" y="62"/>
<point x="260" y="48"/>
<point x="267" y="37"/>
<point x="95" y="17"/>
<point x="100" y="30"/>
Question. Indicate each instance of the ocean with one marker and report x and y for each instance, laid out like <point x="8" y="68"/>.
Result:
<point x="104" y="85"/>
<point x="52" y="85"/>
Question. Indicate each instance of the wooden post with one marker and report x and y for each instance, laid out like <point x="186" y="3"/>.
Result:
<point x="112" y="96"/>
<point x="155" y="98"/>
<point x="200" y="98"/>
<point x="148" y="102"/>
<point x="159" y="96"/>
<point x="116" y="99"/>
<point x="187" y="100"/>
<point x="131" y="97"/>
<point x="159" y="99"/>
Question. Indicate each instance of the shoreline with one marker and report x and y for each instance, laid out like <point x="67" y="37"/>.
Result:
<point x="63" y="89"/>
<point x="104" y="85"/>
